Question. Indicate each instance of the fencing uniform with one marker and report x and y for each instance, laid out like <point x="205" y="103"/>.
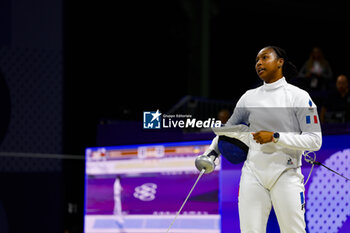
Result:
<point x="271" y="174"/>
<point x="117" y="210"/>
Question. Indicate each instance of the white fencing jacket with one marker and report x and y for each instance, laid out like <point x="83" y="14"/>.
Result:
<point x="283" y="108"/>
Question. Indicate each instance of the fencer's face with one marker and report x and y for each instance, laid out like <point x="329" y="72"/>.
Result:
<point x="268" y="66"/>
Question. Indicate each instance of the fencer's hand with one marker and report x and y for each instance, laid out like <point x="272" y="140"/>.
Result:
<point x="263" y="137"/>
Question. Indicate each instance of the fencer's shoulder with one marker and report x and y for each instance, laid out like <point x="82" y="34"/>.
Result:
<point x="253" y="91"/>
<point x="299" y="96"/>
<point x="248" y="95"/>
<point x="297" y="91"/>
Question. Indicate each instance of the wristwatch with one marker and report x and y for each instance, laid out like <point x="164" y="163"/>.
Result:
<point x="276" y="137"/>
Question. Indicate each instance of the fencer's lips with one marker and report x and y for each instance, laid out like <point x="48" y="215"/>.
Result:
<point x="260" y="70"/>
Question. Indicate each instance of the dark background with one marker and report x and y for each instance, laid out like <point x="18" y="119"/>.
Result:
<point x="122" y="59"/>
<point x="67" y="66"/>
<point x="133" y="56"/>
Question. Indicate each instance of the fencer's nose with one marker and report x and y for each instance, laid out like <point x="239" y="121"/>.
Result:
<point x="258" y="64"/>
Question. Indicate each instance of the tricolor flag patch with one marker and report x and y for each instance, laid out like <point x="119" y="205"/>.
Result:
<point x="308" y="119"/>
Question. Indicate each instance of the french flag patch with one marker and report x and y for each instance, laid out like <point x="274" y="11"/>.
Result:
<point x="308" y="119"/>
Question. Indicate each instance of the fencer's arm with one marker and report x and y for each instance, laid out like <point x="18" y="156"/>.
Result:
<point x="213" y="146"/>
<point x="240" y="113"/>
<point x="235" y="118"/>
<point x="305" y="141"/>
<point x="310" y="137"/>
<point x="206" y="160"/>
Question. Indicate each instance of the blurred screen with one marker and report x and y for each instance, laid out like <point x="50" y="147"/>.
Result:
<point x="140" y="188"/>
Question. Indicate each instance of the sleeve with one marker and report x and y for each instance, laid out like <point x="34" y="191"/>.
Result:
<point x="213" y="146"/>
<point x="240" y="114"/>
<point x="310" y="137"/>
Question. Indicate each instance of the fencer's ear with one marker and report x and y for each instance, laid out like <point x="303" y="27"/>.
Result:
<point x="280" y="62"/>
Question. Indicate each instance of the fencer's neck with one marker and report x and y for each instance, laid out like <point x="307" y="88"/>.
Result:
<point x="270" y="86"/>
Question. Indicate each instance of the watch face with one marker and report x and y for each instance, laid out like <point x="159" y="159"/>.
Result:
<point x="276" y="135"/>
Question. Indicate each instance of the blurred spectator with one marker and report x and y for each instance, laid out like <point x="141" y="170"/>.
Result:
<point x="336" y="107"/>
<point x="224" y="115"/>
<point x="316" y="73"/>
